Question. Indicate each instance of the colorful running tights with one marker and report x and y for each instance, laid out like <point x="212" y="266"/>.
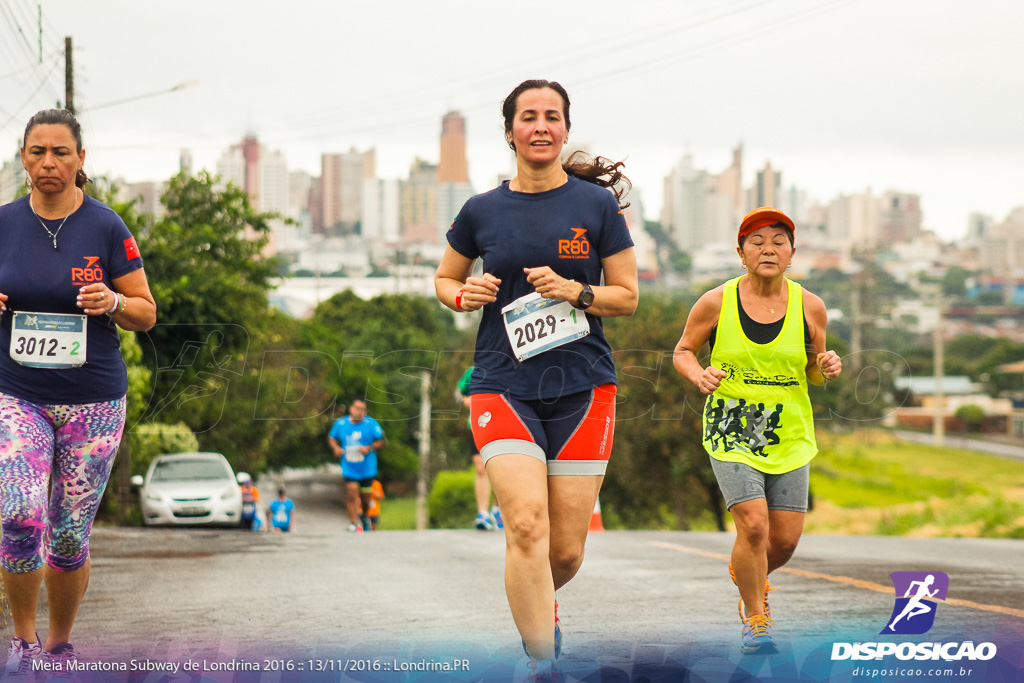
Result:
<point x="77" y="445"/>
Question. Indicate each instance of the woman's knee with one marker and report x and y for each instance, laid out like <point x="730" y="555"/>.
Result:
<point x="567" y="557"/>
<point x="526" y="526"/>
<point x="20" y="549"/>
<point x="752" y="527"/>
<point x="67" y="551"/>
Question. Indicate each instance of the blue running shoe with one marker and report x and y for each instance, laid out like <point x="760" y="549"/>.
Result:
<point x="483" y="522"/>
<point x="496" y="518"/>
<point x="558" y="636"/>
<point x="757" y="636"/>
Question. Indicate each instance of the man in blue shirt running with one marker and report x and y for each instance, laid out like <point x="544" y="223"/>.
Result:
<point x="355" y="439"/>
<point x="280" y="512"/>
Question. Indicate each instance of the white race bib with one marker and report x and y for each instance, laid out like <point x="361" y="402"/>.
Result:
<point x="48" y="340"/>
<point x="535" y="324"/>
<point x="354" y="453"/>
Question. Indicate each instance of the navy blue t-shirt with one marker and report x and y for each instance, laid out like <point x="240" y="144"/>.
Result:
<point x="93" y="246"/>
<point x="570" y="228"/>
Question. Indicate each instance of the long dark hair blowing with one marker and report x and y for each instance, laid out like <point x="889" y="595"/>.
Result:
<point x="597" y="170"/>
<point x="60" y="117"/>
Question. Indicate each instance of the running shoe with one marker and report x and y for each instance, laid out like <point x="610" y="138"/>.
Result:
<point x="541" y="671"/>
<point x="366" y="523"/>
<point x="355" y="528"/>
<point x="558" y="636"/>
<point x="20" y="656"/>
<point x="60" y="662"/>
<point x="496" y="518"/>
<point x="558" y="633"/>
<point x="483" y="522"/>
<point x="757" y="636"/>
<point x="767" y="609"/>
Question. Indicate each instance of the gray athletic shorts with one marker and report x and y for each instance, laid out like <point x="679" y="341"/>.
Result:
<point x="740" y="482"/>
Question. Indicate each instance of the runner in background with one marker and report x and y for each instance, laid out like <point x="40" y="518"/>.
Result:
<point x="281" y="512"/>
<point x="354" y="439"/>
<point x="376" y="495"/>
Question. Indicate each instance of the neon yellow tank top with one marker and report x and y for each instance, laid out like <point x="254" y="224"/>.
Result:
<point x="761" y="413"/>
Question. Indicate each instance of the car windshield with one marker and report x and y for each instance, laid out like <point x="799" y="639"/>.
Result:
<point x="198" y="469"/>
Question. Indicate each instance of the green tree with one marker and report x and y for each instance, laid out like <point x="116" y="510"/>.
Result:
<point x="204" y="259"/>
<point x="376" y="349"/>
<point x="971" y="415"/>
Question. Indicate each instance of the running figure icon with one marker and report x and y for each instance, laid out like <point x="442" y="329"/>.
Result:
<point x="916" y="606"/>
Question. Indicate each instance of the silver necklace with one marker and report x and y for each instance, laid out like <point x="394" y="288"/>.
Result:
<point x="39" y="218"/>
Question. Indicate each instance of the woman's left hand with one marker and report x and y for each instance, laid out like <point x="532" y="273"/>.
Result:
<point x="96" y="299"/>
<point x="551" y="285"/>
<point x="830" y="364"/>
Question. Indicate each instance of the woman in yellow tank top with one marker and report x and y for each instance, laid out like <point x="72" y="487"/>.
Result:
<point x="767" y="337"/>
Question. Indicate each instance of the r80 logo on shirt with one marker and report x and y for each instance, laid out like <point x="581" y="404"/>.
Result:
<point x="577" y="247"/>
<point x="80" y="277"/>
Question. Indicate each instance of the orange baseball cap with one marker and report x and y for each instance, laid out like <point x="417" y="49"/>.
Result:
<point x="758" y="218"/>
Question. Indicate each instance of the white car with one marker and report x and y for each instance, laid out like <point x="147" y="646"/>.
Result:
<point x="190" y="488"/>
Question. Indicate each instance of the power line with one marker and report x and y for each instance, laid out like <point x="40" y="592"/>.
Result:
<point x="688" y="52"/>
<point x="602" y="50"/>
<point x="30" y="97"/>
<point x="13" y="22"/>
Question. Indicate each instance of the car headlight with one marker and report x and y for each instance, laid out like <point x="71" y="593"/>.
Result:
<point x="156" y="497"/>
<point x="230" y="493"/>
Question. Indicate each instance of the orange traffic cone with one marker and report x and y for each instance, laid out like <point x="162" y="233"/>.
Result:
<point x="595" y="519"/>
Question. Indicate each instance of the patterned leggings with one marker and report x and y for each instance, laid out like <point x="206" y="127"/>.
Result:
<point x="77" y="443"/>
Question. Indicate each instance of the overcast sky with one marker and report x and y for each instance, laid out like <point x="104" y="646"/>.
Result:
<point x="923" y="96"/>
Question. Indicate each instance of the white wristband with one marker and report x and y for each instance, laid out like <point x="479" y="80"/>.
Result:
<point x="117" y="302"/>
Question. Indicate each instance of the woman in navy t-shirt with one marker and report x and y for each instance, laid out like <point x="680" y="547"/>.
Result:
<point x="70" y="273"/>
<point x="557" y="258"/>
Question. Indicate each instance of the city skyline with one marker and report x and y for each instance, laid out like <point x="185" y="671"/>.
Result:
<point x="840" y="96"/>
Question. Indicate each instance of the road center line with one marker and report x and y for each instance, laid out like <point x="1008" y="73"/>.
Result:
<point x="846" y="580"/>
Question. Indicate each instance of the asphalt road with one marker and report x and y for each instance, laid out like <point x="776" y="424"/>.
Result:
<point x="1005" y="450"/>
<point x="322" y="597"/>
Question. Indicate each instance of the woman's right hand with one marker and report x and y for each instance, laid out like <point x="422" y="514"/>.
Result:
<point x="710" y="380"/>
<point x="479" y="291"/>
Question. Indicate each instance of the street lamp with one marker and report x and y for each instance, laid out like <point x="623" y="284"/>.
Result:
<point x="179" y="86"/>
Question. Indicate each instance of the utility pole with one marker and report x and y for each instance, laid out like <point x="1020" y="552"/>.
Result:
<point x="69" y="77"/>
<point x="40" y="34"/>
<point x="421" y="482"/>
<point x="939" y="419"/>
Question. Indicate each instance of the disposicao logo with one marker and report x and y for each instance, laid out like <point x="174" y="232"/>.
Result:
<point x="913" y="614"/>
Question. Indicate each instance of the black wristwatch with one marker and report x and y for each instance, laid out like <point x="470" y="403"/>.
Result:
<point x="586" y="298"/>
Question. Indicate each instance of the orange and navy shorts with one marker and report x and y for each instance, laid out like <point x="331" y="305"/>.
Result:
<point x="572" y="434"/>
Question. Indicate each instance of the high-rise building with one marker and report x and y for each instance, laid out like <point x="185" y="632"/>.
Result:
<point x="453" y="188"/>
<point x="381" y="209"/>
<point x="453" y="167"/>
<point x="147" y="197"/>
<point x="899" y="218"/>
<point x="852" y="220"/>
<point x="767" y="190"/>
<point x="701" y="208"/>
<point x="185" y="162"/>
<point x="684" y="214"/>
<point x="12" y="177"/>
<point x="264" y="177"/>
<point x="342" y="177"/>
<point x="418" y="216"/>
